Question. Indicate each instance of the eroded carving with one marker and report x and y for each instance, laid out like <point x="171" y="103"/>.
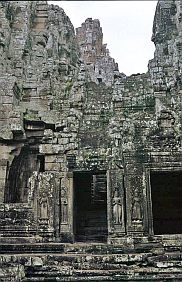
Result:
<point x="45" y="204"/>
<point x="117" y="208"/>
<point x="44" y="209"/>
<point x="166" y="136"/>
<point x="64" y="206"/>
<point x="136" y="213"/>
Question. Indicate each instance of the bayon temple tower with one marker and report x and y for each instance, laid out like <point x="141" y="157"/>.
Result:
<point x="90" y="159"/>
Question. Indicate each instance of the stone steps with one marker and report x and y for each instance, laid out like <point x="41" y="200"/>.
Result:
<point x="100" y="267"/>
<point x="60" y="248"/>
<point x="95" y="248"/>
<point x="107" y="278"/>
<point x="91" y="262"/>
<point x="122" y="274"/>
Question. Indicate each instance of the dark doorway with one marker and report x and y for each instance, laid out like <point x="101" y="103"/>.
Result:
<point x="90" y="206"/>
<point x="167" y="202"/>
<point x="17" y="178"/>
<point x="19" y="172"/>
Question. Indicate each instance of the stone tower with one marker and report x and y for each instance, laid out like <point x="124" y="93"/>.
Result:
<point x="101" y="67"/>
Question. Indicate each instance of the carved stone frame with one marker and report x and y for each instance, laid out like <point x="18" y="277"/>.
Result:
<point x="67" y="229"/>
<point x="137" y="174"/>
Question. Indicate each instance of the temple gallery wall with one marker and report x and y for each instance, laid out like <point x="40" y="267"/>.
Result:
<point x="90" y="159"/>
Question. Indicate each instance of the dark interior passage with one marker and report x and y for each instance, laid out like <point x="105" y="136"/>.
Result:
<point x="18" y="173"/>
<point x="90" y="207"/>
<point x="17" y="178"/>
<point x="167" y="202"/>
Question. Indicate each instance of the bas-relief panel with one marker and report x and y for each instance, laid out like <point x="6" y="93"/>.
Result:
<point x="134" y="203"/>
<point x="66" y="204"/>
<point x="116" y="208"/>
<point x="42" y="188"/>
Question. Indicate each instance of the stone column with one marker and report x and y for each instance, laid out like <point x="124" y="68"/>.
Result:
<point x="66" y="208"/>
<point x="45" y="204"/>
<point x="135" y="198"/>
<point x="116" y="206"/>
<point x="3" y="174"/>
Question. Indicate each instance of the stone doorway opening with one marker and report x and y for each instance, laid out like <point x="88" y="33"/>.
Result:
<point x="90" y="206"/>
<point x="166" y="192"/>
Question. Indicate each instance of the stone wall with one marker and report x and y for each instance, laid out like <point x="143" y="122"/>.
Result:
<point x="39" y="66"/>
<point x="65" y="108"/>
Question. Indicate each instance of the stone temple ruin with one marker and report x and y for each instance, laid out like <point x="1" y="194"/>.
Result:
<point x="90" y="159"/>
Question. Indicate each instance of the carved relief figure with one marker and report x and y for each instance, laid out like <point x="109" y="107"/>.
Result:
<point x="44" y="200"/>
<point x="32" y="186"/>
<point x="117" y="208"/>
<point x="136" y="208"/>
<point x="64" y="206"/>
<point x="64" y="210"/>
<point x="43" y="206"/>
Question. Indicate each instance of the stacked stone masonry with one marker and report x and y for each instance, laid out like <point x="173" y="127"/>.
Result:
<point x="90" y="159"/>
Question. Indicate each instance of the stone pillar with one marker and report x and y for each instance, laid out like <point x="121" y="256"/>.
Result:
<point x="116" y="206"/>
<point x="45" y="204"/>
<point x="66" y="208"/>
<point x="135" y="198"/>
<point x="3" y="173"/>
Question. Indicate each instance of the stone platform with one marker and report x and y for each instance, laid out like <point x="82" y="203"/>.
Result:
<point x="158" y="260"/>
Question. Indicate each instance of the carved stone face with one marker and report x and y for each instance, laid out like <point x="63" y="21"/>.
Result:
<point x="166" y="120"/>
<point x="43" y="195"/>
